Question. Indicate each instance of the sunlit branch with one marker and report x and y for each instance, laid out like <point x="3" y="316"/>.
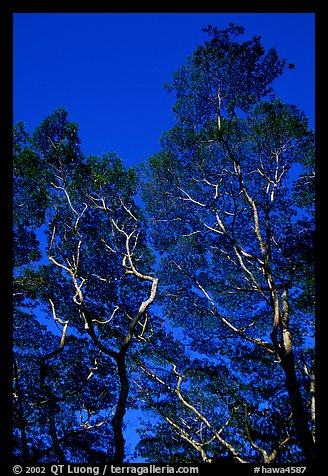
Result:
<point x="266" y="345"/>
<point x="185" y="436"/>
<point x="217" y="434"/>
<point x="78" y="215"/>
<point x="213" y="185"/>
<point x="127" y="210"/>
<point x="311" y="374"/>
<point x="267" y="458"/>
<point x="189" y="198"/>
<point x="248" y="272"/>
<point x="108" y="247"/>
<point x="63" y="323"/>
<point x="182" y="432"/>
<point x="103" y="205"/>
<point x="108" y="320"/>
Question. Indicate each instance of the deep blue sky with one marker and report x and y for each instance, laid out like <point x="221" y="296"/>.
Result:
<point x="108" y="69"/>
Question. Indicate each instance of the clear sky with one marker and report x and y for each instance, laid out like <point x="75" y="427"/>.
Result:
<point x="108" y="69"/>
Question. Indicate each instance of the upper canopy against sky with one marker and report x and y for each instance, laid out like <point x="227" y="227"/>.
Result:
<point x="108" y="69"/>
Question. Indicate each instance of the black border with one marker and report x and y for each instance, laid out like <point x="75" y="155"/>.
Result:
<point x="7" y="10"/>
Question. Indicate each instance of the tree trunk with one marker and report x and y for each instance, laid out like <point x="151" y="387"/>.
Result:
<point x="300" y="416"/>
<point x="117" y="422"/>
<point x="53" y="430"/>
<point x="286" y="354"/>
<point x="21" y="416"/>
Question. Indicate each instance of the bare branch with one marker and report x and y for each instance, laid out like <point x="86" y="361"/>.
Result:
<point x="267" y="458"/>
<point x="128" y="210"/>
<point x="189" y="198"/>
<point x="217" y="434"/>
<point x="266" y="345"/>
<point x="108" y="320"/>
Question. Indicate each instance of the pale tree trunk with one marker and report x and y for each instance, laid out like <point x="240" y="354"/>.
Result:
<point x="283" y="345"/>
<point x="284" y="349"/>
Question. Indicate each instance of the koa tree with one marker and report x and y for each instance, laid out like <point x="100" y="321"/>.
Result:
<point x="230" y="201"/>
<point x="222" y="242"/>
<point x="79" y="216"/>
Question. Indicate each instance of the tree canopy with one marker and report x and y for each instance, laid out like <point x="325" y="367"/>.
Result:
<point x="182" y="287"/>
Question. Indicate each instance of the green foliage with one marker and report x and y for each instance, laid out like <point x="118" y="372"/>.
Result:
<point x="227" y="221"/>
<point x="73" y="215"/>
<point x="241" y="71"/>
<point x="223" y="216"/>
